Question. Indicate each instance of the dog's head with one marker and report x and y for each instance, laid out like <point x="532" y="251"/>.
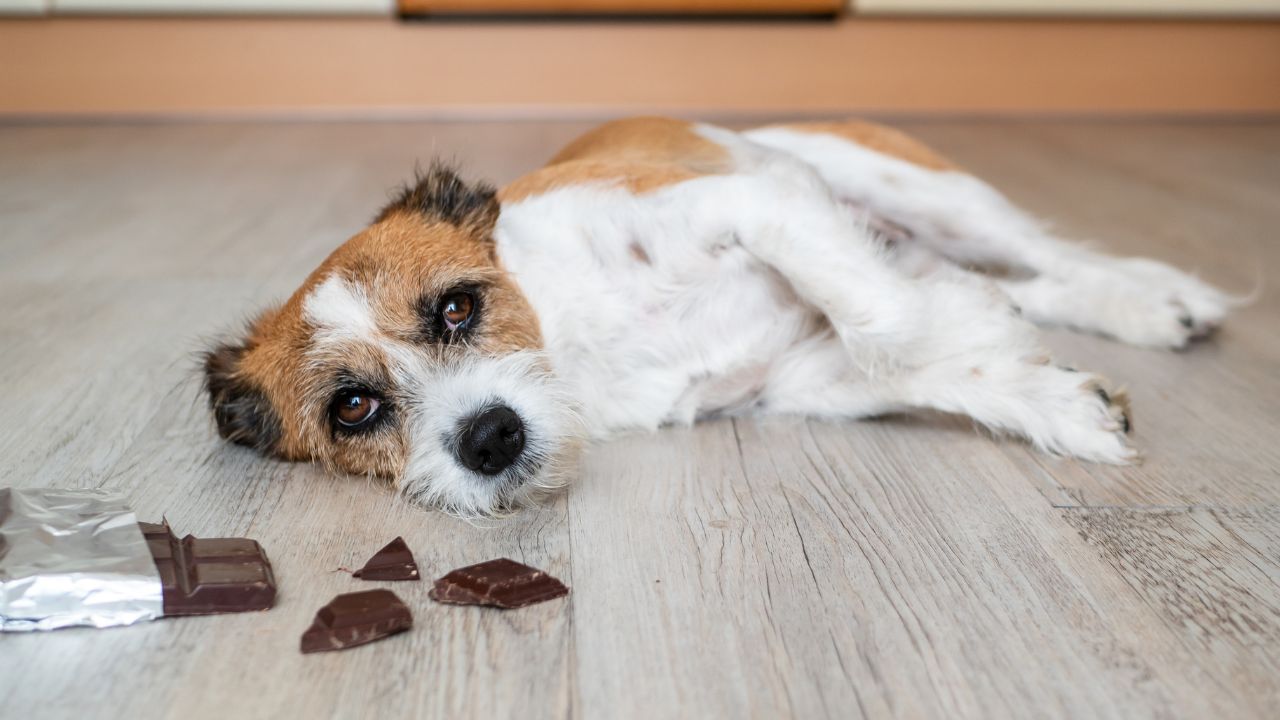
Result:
<point x="408" y="354"/>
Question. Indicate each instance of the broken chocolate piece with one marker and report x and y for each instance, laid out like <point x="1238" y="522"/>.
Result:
<point x="204" y="576"/>
<point x="355" y="619"/>
<point x="393" y="562"/>
<point x="501" y="583"/>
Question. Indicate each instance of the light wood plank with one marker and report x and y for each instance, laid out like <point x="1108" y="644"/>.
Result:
<point x="1212" y="576"/>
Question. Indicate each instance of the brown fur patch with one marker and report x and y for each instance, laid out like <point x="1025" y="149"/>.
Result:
<point x="648" y="140"/>
<point x="639" y="178"/>
<point x="640" y="154"/>
<point x="881" y="139"/>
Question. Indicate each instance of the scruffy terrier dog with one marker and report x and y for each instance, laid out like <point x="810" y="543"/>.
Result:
<point x="658" y="271"/>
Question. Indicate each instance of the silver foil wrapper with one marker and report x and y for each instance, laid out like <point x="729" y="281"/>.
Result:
<point x="73" y="558"/>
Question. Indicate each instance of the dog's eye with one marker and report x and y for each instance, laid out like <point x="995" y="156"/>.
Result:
<point x="353" y="409"/>
<point x="456" y="309"/>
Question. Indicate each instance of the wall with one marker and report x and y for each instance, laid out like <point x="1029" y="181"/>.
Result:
<point x="372" y="67"/>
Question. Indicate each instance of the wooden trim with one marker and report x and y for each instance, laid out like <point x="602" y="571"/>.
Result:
<point x="368" y="67"/>
<point x="620" y="7"/>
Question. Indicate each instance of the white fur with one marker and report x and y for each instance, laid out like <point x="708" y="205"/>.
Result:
<point x="339" y="309"/>
<point x="961" y="218"/>
<point x="764" y="291"/>
<point x="440" y="396"/>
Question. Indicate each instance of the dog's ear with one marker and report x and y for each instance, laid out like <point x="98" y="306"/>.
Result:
<point x="440" y="193"/>
<point x="240" y="408"/>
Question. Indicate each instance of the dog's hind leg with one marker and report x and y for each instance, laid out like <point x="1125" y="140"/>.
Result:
<point x="948" y="342"/>
<point x="913" y="190"/>
<point x="1057" y="410"/>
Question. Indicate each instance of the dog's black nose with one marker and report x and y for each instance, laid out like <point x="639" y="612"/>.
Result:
<point x="491" y="441"/>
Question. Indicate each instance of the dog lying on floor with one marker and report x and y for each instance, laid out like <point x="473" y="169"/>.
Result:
<point x="658" y="271"/>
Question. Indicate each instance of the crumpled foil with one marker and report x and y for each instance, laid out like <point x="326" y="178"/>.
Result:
<point x="73" y="558"/>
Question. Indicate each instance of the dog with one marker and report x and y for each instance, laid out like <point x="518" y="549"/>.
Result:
<point x="468" y="342"/>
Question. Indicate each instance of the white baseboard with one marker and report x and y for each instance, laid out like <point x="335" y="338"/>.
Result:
<point x="318" y="7"/>
<point x="23" y="7"/>
<point x="1203" y="8"/>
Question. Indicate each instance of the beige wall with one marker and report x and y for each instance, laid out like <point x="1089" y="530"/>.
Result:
<point x="375" y="67"/>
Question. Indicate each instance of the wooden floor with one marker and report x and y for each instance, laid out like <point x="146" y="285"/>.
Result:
<point x="900" y="568"/>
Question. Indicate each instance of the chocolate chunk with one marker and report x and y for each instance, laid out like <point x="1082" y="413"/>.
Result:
<point x="204" y="576"/>
<point x="355" y="619"/>
<point x="393" y="562"/>
<point x="501" y="583"/>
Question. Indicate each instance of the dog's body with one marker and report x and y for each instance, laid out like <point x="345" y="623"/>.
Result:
<point x="657" y="272"/>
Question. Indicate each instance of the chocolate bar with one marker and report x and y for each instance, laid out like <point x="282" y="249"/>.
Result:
<point x="393" y="562"/>
<point x="501" y="583"/>
<point x="355" y="619"/>
<point x="204" y="576"/>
